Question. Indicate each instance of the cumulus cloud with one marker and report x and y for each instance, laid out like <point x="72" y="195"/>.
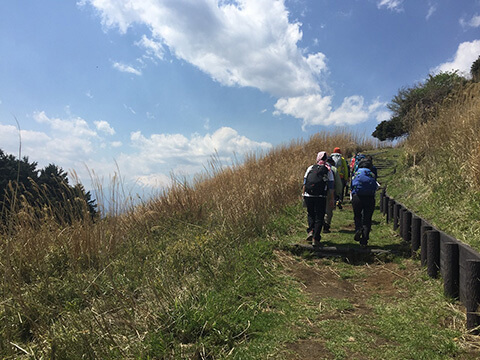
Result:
<point x="463" y="59"/>
<point x="156" y="155"/>
<point x="154" y="48"/>
<point x="243" y="43"/>
<point x="126" y="68"/>
<point x="105" y="127"/>
<point x="163" y="147"/>
<point x="395" y="5"/>
<point x="148" y="160"/>
<point x="473" y="22"/>
<point x="318" y="110"/>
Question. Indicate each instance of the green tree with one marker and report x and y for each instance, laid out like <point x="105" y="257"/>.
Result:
<point x="475" y="70"/>
<point x="417" y="103"/>
<point x="21" y="184"/>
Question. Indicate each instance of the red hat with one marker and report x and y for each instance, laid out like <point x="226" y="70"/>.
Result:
<point x="337" y="150"/>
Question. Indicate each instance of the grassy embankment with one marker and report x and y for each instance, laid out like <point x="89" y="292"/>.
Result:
<point x="439" y="176"/>
<point x="187" y="275"/>
<point x="194" y="274"/>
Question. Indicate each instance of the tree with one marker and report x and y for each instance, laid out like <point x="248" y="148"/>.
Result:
<point x="475" y="70"/>
<point x="417" y="103"/>
<point x="22" y="185"/>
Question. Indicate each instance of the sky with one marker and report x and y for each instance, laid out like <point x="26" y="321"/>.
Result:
<point x="153" y="89"/>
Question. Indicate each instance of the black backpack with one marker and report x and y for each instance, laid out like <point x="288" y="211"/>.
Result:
<point x="316" y="181"/>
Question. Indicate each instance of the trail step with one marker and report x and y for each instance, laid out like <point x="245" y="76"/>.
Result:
<point x="353" y="253"/>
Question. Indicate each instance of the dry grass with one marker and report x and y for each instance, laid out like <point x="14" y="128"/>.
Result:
<point x="453" y="136"/>
<point x="100" y="287"/>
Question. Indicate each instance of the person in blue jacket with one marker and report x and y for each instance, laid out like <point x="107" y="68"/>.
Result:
<point x="364" y="186"/>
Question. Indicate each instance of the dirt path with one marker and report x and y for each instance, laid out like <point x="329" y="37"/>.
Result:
<point x="322" y="282"/>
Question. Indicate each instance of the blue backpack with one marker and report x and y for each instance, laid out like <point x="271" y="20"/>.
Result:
<point x="364" y="182"/>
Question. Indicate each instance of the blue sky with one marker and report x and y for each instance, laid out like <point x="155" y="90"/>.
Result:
<point x="157" y="87"/>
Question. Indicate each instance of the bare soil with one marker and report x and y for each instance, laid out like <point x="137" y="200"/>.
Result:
<point x="321" y="282"/>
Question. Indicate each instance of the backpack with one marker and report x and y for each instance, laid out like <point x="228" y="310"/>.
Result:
<point x="317" y="180"/>
<point x="364" y="183"/>
<point x="358" y="158"/>
<point x="337" y="158"/>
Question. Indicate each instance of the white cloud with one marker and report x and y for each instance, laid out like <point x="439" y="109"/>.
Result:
<point x="473" y="22"/>
<point x="242" y="43"/>
<point x="395" y="5"/>
<point x="246" y="43"/>
<point x="89" y="94"/>
<point x="129" y="109"/>
<point x="126" y="68"/>
<point x="154" y="180"/>
<point x="105" y="127"/>
<point x="317" y="110"/>
<point x="432" y="7"/>
<point x="154" y="49"/>
<point x="466" y="54"/>
<point x="73" y="145"/>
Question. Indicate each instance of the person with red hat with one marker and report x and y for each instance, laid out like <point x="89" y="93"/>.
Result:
<point x="341" y="165"/>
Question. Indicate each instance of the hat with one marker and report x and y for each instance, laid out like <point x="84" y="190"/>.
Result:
<point x="322" y="155"/>
<point x="337" y="150"/>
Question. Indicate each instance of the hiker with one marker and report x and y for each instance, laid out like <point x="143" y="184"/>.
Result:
<point x="364" y="186"/>
<point x="342" y="169"/>
<point x="367" y="162"/>
<point x="337" y="187"/>
<point x="317" y="183"/>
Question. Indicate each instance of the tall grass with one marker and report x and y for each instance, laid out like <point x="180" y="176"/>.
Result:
<point x="445" y="178"/>
<point x="169" y="278"/>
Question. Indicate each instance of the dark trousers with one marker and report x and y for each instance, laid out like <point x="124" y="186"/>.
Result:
<point x="363" y="207"/>
<point x="315" y="212"/>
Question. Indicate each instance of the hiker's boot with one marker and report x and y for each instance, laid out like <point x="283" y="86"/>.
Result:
<point x="326" y="228"/>
<point x="358" y="235"/>
<point x="310" y="237"/>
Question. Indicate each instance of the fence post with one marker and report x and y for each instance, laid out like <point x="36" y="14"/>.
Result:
<point x="416" y="233"/>
<point x="385" y="204"/>
<point x="423" y="244"/>
<point x="451" y="270"/>
<point x="391" y="202"/>
<point x="433" y="253"/>
<point x="400" y="221"/>
<point x="382" y="194"/>
<point x="472" y="295"/>
<point x="396" y="211"/>
<point x="407" y="225"/>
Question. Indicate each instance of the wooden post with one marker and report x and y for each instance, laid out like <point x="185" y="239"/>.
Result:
<point x="400" y="221"/>
<point x="433" y="253"/>
<point x="386" y="200"/>
<point x="451" y="270"/>
<point x="382" y="194"/>
<point x="390" y="210"/>
<point x="407" y="225"/>
<point x="423" y="244"/>
<point x="396" y="211"/>
<point x="416" y="233"/>
<point x="472" y="296"/>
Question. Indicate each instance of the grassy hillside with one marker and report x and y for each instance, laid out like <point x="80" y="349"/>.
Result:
<point x="196" y="273"/>
<point x="439" y="172"/>
<point x="184" y="275"/>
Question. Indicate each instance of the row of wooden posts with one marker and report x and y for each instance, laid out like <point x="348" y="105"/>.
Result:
<point x="457" y="263"/>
